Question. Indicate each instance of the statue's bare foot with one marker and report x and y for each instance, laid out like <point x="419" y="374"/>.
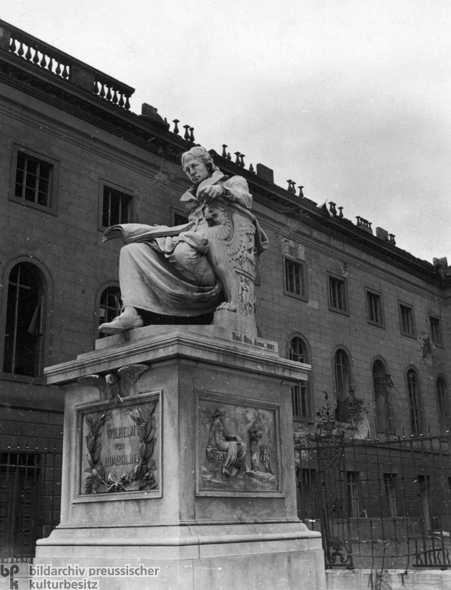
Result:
<point x="226" y="306"/>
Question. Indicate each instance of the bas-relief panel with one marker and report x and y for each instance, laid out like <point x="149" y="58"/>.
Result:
<point x="238" y="447"/>
<point x="121" y="447"/>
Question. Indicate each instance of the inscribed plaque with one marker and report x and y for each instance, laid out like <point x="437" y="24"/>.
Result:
<point x="121" y="446"/>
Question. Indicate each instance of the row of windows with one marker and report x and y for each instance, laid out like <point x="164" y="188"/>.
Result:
<point x="390" y="499"/>
<point x="23" y="343"/>
<point x="295" y="284"/>
<point x="24" y="330"/>
<point x="35" y="181"/>
<point x="383" y="388"/>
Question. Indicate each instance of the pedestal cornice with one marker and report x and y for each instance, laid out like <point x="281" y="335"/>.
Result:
<point x="199" y="344"/>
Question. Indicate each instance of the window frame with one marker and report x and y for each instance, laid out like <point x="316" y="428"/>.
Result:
<point x="180" y="213"/>
<point x="391" y="500"/>
<point x="436" y="333"/>
<point x="333" y="277"/>
<point x="53" y="179"/>
<point x="46" y="305"/>
<point x="369" y="293"/>
<point x="305" y="386"/>
<point x="97" y="315"/>
<point x="303" y="296"/>
<point x="388" y="408"/>
<point x="106" y="184"/>
<point x="412" y="409"/>
<point x="348" y="380"/>
<point x="407" y="306"/>
<point x="443" y="405"/>
<point x="354" y="493"/>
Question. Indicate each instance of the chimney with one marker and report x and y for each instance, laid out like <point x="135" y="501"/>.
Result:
<point x="265" y="173"/>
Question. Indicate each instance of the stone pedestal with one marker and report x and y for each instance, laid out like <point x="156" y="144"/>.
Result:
<point x="189" y="470"/>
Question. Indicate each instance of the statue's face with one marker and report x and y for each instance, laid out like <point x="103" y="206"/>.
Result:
<point x="196" y="170"/>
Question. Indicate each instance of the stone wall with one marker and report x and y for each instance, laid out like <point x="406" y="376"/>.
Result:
<point x="281" y="316"/>
<point x="388" y="580"/>
<point x="67" y="244"/>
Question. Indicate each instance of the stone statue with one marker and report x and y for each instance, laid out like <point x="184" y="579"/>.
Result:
<point x="193" y="269"/>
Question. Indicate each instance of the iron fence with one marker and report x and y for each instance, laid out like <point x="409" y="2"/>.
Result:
<point x="30" y="493"/>
<point x="378" y="504"/>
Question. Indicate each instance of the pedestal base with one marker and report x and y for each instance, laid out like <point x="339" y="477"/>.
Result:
<point x="191" y="471"/>
<point x="196" y="557"/>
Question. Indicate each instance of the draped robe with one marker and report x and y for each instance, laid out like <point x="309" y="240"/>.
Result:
<point x="172" y="275"/>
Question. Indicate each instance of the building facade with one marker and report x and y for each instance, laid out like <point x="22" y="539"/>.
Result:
<point x="372" y="320"/>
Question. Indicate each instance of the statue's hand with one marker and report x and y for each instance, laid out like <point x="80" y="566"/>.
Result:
<point x="209" y="193"/>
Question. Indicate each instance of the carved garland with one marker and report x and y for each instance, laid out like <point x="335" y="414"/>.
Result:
<point x="142" y="475"/>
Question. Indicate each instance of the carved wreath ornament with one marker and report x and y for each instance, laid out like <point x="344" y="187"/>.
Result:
<point x="142" y="474"/>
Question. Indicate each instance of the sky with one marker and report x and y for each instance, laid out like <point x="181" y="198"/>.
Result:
<point x="350" y="99"/>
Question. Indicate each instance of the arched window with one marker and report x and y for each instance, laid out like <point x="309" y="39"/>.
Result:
<point x="298" y="352"/>
<point x="381" y="394"/>
<point x="443" y="405"/>
<point x="110" y="305"/>
<point x="413" y="389"/>
<point x="342" y="373"/>
<point x="24" y="320"/>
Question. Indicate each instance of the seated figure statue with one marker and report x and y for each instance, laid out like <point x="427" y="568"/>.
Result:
<point x="204" y="265"/>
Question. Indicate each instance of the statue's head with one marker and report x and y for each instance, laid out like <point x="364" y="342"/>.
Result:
<point x="198" y="164"/>
<point x="219" y="413"/>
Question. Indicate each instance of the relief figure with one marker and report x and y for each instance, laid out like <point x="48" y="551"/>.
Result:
<point x="224" y="447"/>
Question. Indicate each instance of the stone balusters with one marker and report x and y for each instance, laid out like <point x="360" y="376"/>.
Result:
<point x="291" y="186"/>
<point x="111" y="92"/>
<point x="364" y="224"/>
<point x="39" y="55"/>
<point x="50" y="60"/>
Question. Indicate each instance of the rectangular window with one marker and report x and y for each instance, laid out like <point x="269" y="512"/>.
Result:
<point x="308" y="504"/>
<point x="436" y="331"/>
<point x="390" y="493"/>
<point x="20" y="511"/>
<point x="116" y="207"/>
<point x="407" y="321"/>
<point x="179" y="218"/>
<point x="299" y="398"/>
<point x="414" y="402"/>
<point x="353" y="483"/>
<point x="424" y="485"/>
<point x="338" y="300"/>
<point x="374" y="308"/>
<point x="24" y="325"/>
<point x="295" y="278"/>
<point x="34" y="181"/>
<point x="443" y="405"/>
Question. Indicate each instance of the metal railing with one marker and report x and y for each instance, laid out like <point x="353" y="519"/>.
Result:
<point x="378" y="504"/>
<point x="30" y="494"/>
